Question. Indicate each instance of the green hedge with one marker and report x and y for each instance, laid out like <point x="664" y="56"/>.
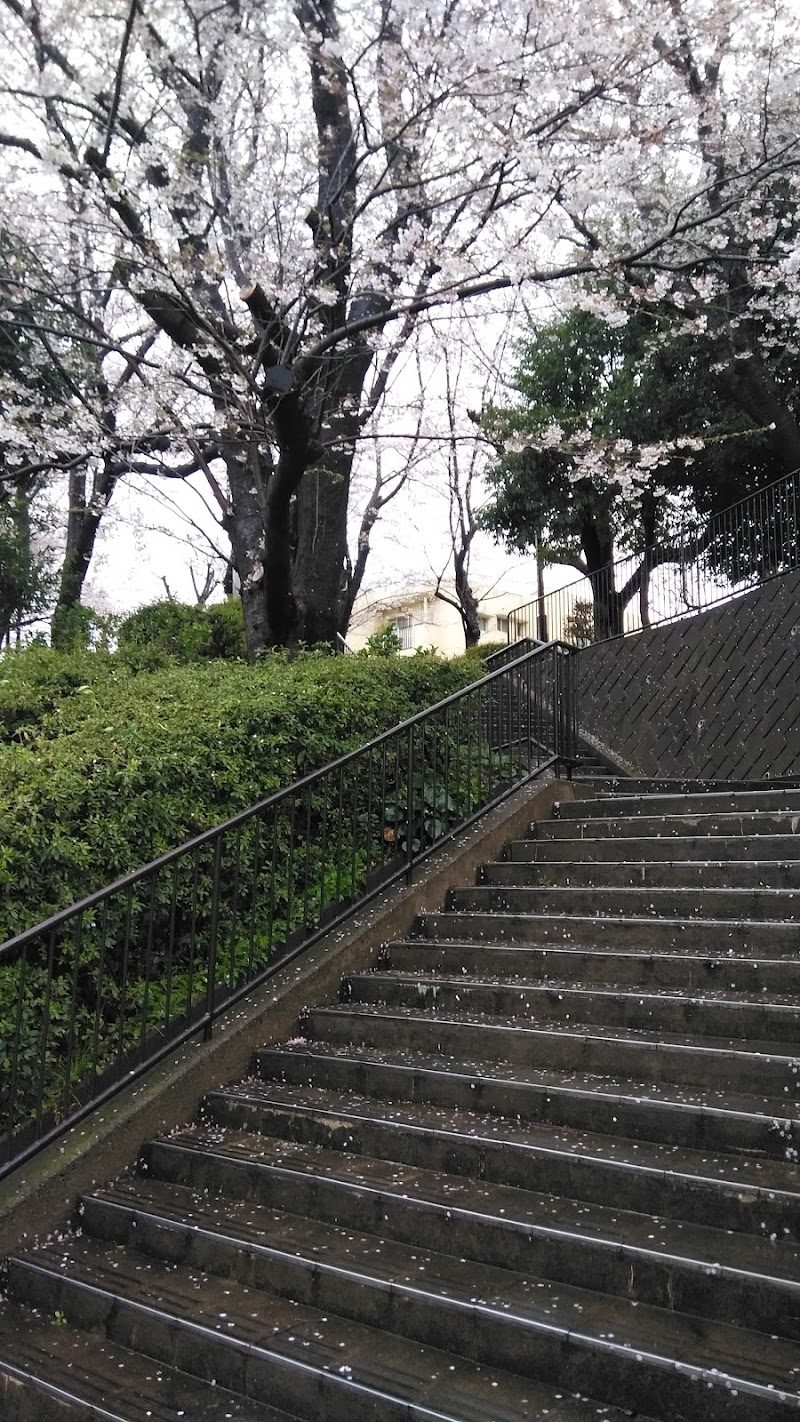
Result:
<point x="103" y="766"/>
<point x="178" y="630"/>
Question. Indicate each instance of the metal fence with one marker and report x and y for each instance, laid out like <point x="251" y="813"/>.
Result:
<point x="102" y="990"/>
<point x="706" y="563"/>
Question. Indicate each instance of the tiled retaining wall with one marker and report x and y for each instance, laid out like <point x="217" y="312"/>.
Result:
<point x="716" y="695"/>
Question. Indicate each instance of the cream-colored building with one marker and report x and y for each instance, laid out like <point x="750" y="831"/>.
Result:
<point x="423" y="620"/>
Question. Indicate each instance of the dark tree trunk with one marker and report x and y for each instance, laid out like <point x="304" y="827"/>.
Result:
<point x="280" y="599"/>
<point x="541" y="604"/>
<point x="83" y="523"/>
<point x="288" y="531"/>
<point x="320" y="553"/>
<point x="649" y="531"/>
<point x="245" y="528"/>
<point x="597" y="541"/>
<point x="467" y="601"/>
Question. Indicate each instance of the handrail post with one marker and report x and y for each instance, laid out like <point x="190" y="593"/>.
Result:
<point x="410" y="807"/>
<point x="572" y="707"/>
<point x="556" y="708"/>
<point x="565" y="708"/>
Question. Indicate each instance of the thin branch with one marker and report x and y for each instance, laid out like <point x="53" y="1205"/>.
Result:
<point x="116" y="95"/>
<point x="10" y="140"/>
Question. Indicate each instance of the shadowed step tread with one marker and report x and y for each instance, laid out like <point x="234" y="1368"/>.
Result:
<point x="779" y="905"/>
<point x="649" y="822"/>
<point x="544" y="1095"/>
<point x="276" y="1346"/>
<point x="680" y="1057"/>
<point x="753" y="1282"/>
<point x="631" y="967"/>
<point x="703" y="800"/>
<point x="767" y="1186"/>
<point x="275" y="1170"/>
<point x="52" y="1371"/>
<point x="653" y="847"/>
<point x="715" y="1012"/>
<point x="703" y="935"/>
<point x="665" y="873"/>
<point x="308" y="1259"/>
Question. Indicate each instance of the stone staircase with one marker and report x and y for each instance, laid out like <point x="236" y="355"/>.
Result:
<point x="538" y="1164"/>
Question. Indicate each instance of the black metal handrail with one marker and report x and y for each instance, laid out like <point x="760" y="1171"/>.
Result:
<point x="103" y="989"/>
<point x="706" y="563"/>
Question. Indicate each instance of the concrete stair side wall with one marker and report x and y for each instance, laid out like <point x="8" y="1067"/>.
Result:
<point x="714" y="696"/>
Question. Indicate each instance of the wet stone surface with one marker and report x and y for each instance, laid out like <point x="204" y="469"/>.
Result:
<point x="541" y="1164"/>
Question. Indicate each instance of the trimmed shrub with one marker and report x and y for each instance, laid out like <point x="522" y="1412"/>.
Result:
<point x="104" y="768"/>
<point x="184" y="632"/>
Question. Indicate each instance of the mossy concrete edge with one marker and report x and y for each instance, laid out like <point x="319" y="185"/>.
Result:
<point x="39" y="1196"/>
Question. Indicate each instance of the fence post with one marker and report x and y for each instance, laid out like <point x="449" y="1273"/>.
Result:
<point x="565" y="684"/>
<point x="573" y="664"/>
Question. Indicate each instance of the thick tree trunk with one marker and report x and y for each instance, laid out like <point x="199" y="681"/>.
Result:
<point x="245" y="528"/>
<point x="597" y="541"/>
<point x="320" y="552"/>
<point x="83" y="524"/>
<point x="288" y="532"/>
<point x="302" y="548"/>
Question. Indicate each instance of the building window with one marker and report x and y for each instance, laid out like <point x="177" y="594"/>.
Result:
<point x="502" y="625"/>
<point x="404" y="627"/>
<point x="483" y="623"/>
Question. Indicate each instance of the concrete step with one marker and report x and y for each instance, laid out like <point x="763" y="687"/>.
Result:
<point x="742" y="905"/>
<point x="589" y="767"/>
<point x="611" y="784"/>
<point x="748" y="1194"/>
<point x="712" y="937"/>
<point x="615" y="1106"/>
<point x="501" y="1315"/>
<point x="635" y="873"/>
<point x="53" y="1372"/>
<point x="649" y="823"/>
<point x="273" y="1348"/>
<point x="755" y="1283"/>
<point x="716" y="1013"/>
<point x="646" y="1055"/>
<point x="692" y="972"/>
<point x="724" y="800"/>
<point x="653" y="847"/>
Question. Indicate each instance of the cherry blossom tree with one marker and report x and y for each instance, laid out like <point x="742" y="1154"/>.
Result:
<point x="246" y="209"/>
<point x="712" y="135"/>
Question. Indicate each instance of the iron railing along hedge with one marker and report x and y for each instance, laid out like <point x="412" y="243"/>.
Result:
<point x="102" y="990"/>
<point x="707" y="562"/>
